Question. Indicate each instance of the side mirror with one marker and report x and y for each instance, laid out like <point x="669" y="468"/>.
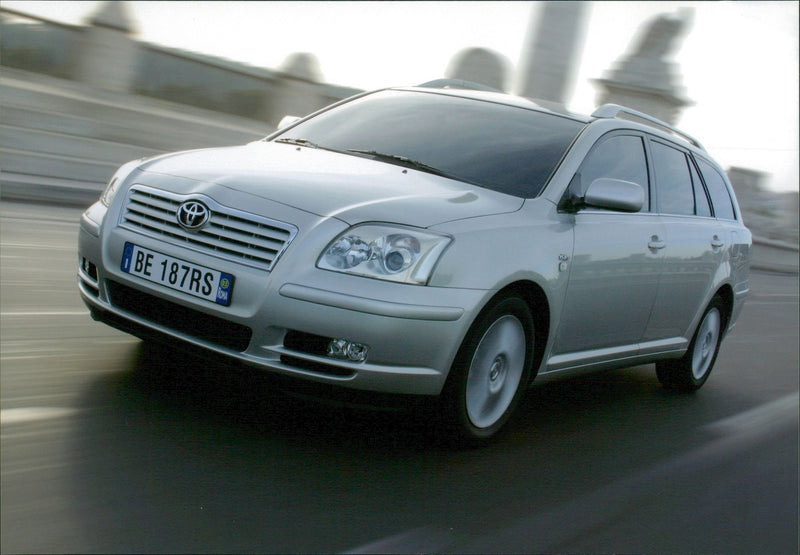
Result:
<point x="614" y="194"/>
<point x="286" y="121"/>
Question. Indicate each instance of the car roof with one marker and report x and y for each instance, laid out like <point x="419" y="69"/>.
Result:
<point x="499" y="97"/>
<point x="625" y="117"/>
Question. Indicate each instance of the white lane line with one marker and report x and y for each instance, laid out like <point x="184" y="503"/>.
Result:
<point x="38" y="313"/>
<point x="759" y="418"/>
<point x="44" y="355"/>
<point x="34" y="414"/>
<point x="37" y="246"/>
<point x="427" y="539"/>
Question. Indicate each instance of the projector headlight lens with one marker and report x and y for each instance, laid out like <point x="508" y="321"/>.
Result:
<point x="405" y="255"/>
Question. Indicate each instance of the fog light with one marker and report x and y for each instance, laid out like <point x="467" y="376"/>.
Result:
<point x="347" y="350"/>
<point x="337" y="348"/>
<point x="357" y="352"/>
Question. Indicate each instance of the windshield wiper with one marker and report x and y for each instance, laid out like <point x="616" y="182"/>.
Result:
<point x="403" y="161"/>
<point x="298" y="142"/>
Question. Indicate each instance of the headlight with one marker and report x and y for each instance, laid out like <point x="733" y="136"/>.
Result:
<point x="385" y="252"/>
<point x="119" y="176"/>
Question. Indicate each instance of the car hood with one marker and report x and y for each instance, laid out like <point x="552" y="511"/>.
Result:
<point x="331" y="184"/>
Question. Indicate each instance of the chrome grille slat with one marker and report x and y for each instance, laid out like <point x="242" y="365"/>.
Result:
<point x="231" y="234"/>
<point x="144" y="216"/>
<point x="154" y="202"/>
<point x="249" y="228"/>
<point x="244" y="239"/>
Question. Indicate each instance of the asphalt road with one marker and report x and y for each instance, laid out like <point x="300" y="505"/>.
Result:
<point x="107" y="446"/>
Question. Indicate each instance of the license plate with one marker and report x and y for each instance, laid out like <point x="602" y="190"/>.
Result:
<point x="206" y="283"/>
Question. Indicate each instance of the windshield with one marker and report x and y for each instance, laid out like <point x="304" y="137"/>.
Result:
<point x="504" y="148"/>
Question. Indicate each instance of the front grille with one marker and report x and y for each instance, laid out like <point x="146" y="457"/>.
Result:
<point x="232" y="234"/>
<point x="180" y="318"/>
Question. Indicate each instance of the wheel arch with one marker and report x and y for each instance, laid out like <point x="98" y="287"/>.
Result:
<point x="536" y="299"/>
<point x="725" y="292"/>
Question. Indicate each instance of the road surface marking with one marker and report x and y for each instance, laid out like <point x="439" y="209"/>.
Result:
<point x="33" y="414"/>
<point x="428" y="539"/>
<point x="760" y="418"/>
<point x="54" y="313"/>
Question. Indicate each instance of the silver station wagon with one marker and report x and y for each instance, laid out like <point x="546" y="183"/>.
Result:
<point x="434" y="241"/>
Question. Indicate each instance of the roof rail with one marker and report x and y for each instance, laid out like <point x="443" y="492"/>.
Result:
<point x="614" y="110"/>
<point x="457" y="84"/>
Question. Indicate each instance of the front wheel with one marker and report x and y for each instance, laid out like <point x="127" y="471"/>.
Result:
<point x="691" y="371"/>
<point x="491" y="371"/>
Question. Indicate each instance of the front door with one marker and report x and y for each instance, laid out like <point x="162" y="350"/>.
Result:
<point x="613" y="281"/>
<point x="614" y="271"/>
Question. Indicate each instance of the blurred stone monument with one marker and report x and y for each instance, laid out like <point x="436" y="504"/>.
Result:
<point x="480" y="65"/>
<point x="108" y="53"/>
<point x="297" y="92"/>
<point x="549" y="60"/>
<point x="645" y="79"/>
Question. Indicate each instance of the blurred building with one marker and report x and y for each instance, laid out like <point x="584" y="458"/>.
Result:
<point x="769" y="214"/>
<point x="77" y="101"/>
<point x="105" y="55"/>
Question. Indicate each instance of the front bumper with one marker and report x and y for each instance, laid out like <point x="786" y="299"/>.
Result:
<point x="278" y="319"/>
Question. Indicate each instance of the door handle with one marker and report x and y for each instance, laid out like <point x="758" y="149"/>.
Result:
<point x="656" y="243"/>
<point x="717" y="243"/>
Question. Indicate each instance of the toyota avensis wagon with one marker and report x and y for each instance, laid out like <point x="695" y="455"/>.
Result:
<point x="432" y="241"/>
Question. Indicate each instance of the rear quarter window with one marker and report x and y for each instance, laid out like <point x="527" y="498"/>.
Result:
<point x="718" y="191"/>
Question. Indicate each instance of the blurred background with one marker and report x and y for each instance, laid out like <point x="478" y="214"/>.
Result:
<point x="108" y="445"/>
<point x="86" y="86"/>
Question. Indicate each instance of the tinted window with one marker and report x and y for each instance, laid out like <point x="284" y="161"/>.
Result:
<point x="673" y="181"/>
<point x="702" y="208"/>
<point x="720" y="198"/>
<point x="508" y="149"/>
<point x="618" y="157"/>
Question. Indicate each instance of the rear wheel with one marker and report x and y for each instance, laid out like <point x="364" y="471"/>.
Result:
<point x="491" y="371"/>
<point x="691" y="371"/>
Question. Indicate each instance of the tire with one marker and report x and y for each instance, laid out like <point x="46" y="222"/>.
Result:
<point x="490" y="373"/>
<point x="691" y="371"/>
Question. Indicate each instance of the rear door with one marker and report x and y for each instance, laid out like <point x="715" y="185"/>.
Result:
<point x="695" y="245"/>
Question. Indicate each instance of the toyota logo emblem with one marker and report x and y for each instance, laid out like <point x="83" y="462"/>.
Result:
<point x="192" y="215"/>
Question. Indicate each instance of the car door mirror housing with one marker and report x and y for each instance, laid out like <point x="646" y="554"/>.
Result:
<point x="614" y="194"/>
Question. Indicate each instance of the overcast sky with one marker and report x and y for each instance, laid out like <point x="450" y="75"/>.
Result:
<point x="739" y="62"/>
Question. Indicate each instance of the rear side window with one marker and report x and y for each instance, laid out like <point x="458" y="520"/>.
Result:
<point x="673" y="180"/>
<point x="720" y="197"/>
<point x="618" y="157"/>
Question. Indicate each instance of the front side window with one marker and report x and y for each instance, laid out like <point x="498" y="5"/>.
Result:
<point x="618" y="157"/>
<point x="720" y="198"/>
<point x="505" y="148"/>
<point x="673" y="180"/>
